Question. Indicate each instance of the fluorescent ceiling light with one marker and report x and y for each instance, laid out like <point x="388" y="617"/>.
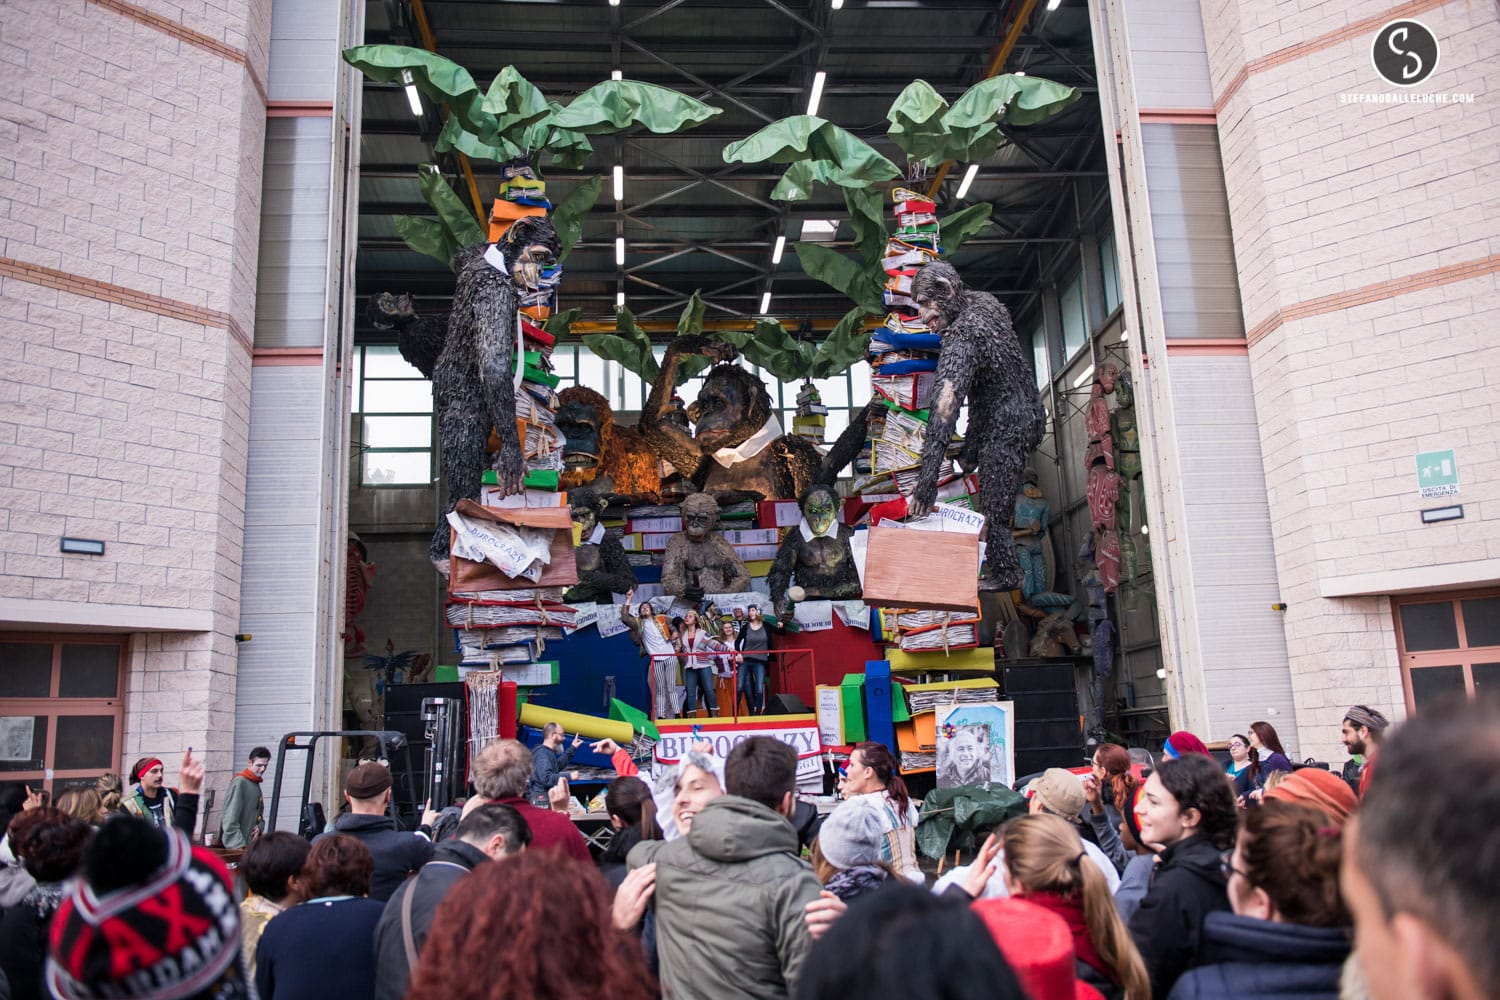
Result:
<point x="969" y="175"/>
<point x="1088" y="373"/>
<point x="619" y="300"/>
<point x="836" y="4"/>
<point x="616" y="3"/>
<point x="412" y="97"/>
<point x="780" y="248"/>
<point x="1124" y="336"/>
<point x="619" y="183"/>
<point x="817" y="92"/>
<point x="765" y="303"/>
<point x="1019" y="72"/>
<point x="615" y="74"/>
<point x="620" y="252"/>
<point x="1051" y="4"/>
<point x="819" y="230"/>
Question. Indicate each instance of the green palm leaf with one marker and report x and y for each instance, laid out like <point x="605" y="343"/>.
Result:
<point x="852" y="161"/>
<point x="615" y="105"/>
<point x="568" y="214"/>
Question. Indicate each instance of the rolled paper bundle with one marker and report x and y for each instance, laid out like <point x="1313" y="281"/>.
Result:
<point x="796" y="593"/>
<point x="589" y="726"/>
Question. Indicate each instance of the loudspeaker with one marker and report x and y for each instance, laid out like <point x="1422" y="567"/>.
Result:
<point x="786" y="704"/>
<point x="1048" y="732"/>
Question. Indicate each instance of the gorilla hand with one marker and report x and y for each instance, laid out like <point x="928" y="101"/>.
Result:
<point x="510" y="468"/>
<point x="706" y="346"/>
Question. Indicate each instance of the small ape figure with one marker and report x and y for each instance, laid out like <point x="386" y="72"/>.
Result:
<point x="602" y="566"/>
<point x="473" y="378"/>
<point x="698" y="561"/>
<point x="737" y="448"/>
<point x="817" y="553"/>
<point x="601" y="453"/>
<point x="981" y="360"/>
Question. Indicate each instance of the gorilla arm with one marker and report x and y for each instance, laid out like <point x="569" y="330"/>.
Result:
<point x="493" y="310"/>
<point x="847" y="448"/>
<point x="955" y="373"/>
<point x="674" y="444"/>
<point x="613" y="575"/>
<point x="780" y="576"/>
<point x="419" y="338"/>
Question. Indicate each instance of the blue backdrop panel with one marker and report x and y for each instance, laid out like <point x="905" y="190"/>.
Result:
<point x="585" y="664"/>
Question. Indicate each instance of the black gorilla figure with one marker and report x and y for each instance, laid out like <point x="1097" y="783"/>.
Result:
<point x="603" y="568"/>
<point x="981" y="360"/>
<point x="473" y="387"/>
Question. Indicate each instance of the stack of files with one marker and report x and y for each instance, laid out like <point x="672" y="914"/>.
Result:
<point x="926" y="697"/>
<point x="520" y="635"/>
<point x="916" y="739"/>
<point x="957" y="635"/>
<point x="978" y="660"/>
<point x="476" y="614"/>
<point x="474" y="648"/>
<point x="910" y="392"/>
<point x="524" y="596"/>
<point x="745" y="510"/>
<point x="654" y="519"/>
<point x="903" y="619"/>
<point x="906" y="429"/>
<point x="906" y="479"/>
<point x="812" y="416"/>
<point x="537" y="674"/>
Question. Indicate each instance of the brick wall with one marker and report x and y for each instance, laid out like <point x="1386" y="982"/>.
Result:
<point x="131" y="138"/>
<point x="1365" y="237"/>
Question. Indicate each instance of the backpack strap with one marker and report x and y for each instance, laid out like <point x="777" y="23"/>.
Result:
<point x="407" y="938"/>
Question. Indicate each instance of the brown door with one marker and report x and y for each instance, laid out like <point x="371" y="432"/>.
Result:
<point x="1449" y="644"/>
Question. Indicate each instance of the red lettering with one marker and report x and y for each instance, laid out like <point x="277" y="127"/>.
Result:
<point x="182" y="927"/>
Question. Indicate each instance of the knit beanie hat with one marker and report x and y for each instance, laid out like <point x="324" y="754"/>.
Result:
<point x="1061" y="793"/>
<point x="172" y="934"/>
<point x="1320" y="789"/>
<point x="853" y="833"/>
<point x="1182" y="742"/>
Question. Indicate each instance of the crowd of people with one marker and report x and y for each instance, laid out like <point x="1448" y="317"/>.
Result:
<point x="1252" y="879"/>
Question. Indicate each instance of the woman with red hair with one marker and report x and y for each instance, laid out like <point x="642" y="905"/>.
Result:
<point x="1110" y="791"/>
<point x="534" y="925"/>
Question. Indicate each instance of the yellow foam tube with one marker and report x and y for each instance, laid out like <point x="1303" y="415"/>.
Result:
<point x="590" y="726"/>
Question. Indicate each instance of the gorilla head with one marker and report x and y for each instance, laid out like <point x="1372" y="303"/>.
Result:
<point x="530" y="244"/>
<point x="585" y="506"/>
<point x="587" y="422"/>
<point x="939" y="294"/>
<point x="731" y="406"/>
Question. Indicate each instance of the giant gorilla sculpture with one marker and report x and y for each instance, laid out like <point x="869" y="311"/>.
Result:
<point x="601" y="453"/>
<point x="981" y="360"/>
<point x="472" y="364"/>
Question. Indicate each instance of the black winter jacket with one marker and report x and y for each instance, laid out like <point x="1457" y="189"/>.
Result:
<point x="1185" y="888"/>
<point x="397" y="852"/>
<point x="451" y="861"/>
<point x="1260" y="960"/>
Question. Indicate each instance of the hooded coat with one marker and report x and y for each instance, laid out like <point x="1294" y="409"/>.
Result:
<point x="730" y="898"/>
<point x="1261" y="960"/>
<point x="1186" y="887"/>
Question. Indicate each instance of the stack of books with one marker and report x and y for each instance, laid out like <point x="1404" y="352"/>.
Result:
<point x="811" y="417"/>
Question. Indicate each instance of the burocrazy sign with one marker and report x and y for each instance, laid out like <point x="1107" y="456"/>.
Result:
<point x="800" y="732"/>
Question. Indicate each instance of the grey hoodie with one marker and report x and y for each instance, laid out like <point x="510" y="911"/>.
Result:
<point x="730" y="901"/>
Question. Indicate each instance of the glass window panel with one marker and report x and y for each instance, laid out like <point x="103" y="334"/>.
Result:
<point x="1075" y="326"/>
<point x="356" y="378"/>
<point x="1109" y="267"/>
<point x="398" y="397"/>
<point x="398" y="432"/>
<point x="27" y="669"/>
<point x="84" y="742"/>
<point x="591" y="371"/>
<point x="89" y="671"/>
<point x="385" y="361"/>
<point x="565" y="361"/>
<point x="860" y="375"/>
<point x="1431" y="683"/>
<point x="1486" y="680"/>
<point x="1039" y="355"/>
<point x="834" y="391"/>
<point x="22" y="746"/>
<point x="397" y="468"/>
<point x="1482" y="621"/>
<point x="635" y="392"/>
<point x="1428" y="626"/>
<point x="838" y="420"/>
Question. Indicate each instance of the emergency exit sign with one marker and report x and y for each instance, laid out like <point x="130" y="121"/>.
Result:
<point x="1437" y="473"/>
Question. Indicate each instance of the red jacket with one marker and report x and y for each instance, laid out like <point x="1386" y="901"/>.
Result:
<point x="549" y="829"/>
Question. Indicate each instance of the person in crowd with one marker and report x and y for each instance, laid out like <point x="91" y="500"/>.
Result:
<point x="872" y="772"/>
<point x="1422" y="865"/>
<point x="489" y="833"/>
<point x="1322" y="790"/>
<point x="904" y="943"/>
<point x="151" y="917"/>
<point x="541" y="926"/>
<point x="1108" y="790"/>
<point x="51" y="847"/>
<point x="549" y="761"/>
<point x="1289" y="932"/>
<point x="732" y="894"/>
<point x="109" y="789"/>
<point x="241" y="820"/>
<point x="1188" y="814"/>
<point x="149" y="798"/>
<point x="1038" y="945"/>
<point x="1241" y="757"/>
<point x="698" y="647"/>
<point x="754" y="644"/>
<point x="697" y="781"/>
<point x="1269" y="759"/>
<point x="846" y="857"/>
<point x="1361" y="732"/>
<point x="1059" y="792"/>
<point x="83" y="803"/>
<point x="725" y="690"/>
<point x="1045" y="864"/>
<point x="500" y="772"/>
<point x="15" y="881"/>
<point x="272" y="869"/>
<point x="324" y="946"/>
<point x="624" y="801"/>
<point x="653" y="633"/>
<point x="1141" y="863"/>
<point x="396" y="852"/>
<point x="1183" y="742"/>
